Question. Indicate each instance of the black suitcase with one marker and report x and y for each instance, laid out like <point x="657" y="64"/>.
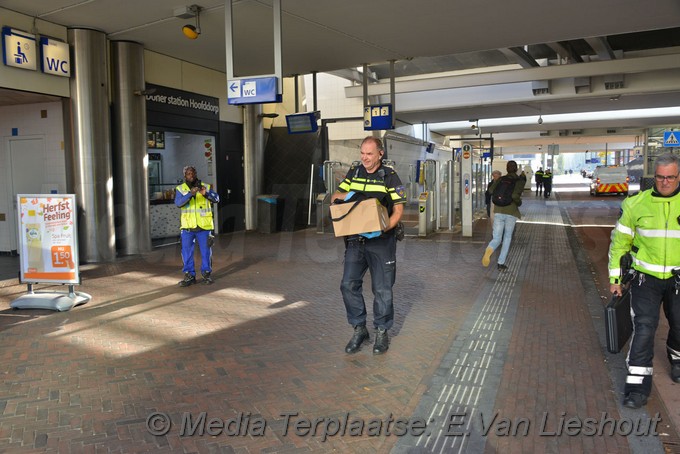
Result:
<point x="618" y="322"/>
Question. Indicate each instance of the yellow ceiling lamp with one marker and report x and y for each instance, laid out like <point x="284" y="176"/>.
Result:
<point x="190" y="31"/>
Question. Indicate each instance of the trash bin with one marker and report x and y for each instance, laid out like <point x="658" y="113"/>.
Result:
<point x="267" y="211"/>
<point x="425" y="225"/>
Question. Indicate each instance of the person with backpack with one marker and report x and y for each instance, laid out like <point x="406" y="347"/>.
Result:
<point x="506" y="195"/>
<point x="495" y="175"/>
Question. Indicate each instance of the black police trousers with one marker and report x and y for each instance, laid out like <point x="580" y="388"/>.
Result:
<point x="647" y="294"/>
<point x="379" y="256"/>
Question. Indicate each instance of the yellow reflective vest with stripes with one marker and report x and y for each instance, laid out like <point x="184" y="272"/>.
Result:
<point x="384" y="185"/>
<point x="649" y="227"/>
<point x="197" y="213"/>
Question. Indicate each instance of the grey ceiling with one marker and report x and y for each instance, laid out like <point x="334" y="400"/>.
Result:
<point x="422" y="37"/>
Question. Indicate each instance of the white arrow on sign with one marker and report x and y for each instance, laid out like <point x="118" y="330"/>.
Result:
<point x="235" y="88"/>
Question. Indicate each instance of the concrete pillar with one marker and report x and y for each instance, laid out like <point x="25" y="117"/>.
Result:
<point x="253" y="161"/>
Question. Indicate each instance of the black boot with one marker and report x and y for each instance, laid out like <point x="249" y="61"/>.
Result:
<point x="382" y="342"/>
<point x="635" y="400"/>
<point x="675" y="373"/>
<point x="360" y="336"/>
<point x="188" y="280"/>
<point x="206" y="277"/>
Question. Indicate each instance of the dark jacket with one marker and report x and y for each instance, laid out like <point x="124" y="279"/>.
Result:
<point x="487" y="194"/>
<point x="547" y="179"/>
<point x="513" y="208"/>
<point x="538" y="176"/>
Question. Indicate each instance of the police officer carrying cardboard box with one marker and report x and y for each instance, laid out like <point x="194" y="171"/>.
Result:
<point x="375" y="251"/>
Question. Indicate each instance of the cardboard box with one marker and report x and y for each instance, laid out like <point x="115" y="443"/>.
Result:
<point x="368" y="216"/>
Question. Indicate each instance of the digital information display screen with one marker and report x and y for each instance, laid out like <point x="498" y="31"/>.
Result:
<point x="302" y="123"/>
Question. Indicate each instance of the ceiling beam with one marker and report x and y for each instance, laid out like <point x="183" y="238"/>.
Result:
<point x="565" y="52"/>
<point x="520" y="56"/>
<point x="601" y="46"/>
<point x="353" y="75"/>
<point x="597" y="68"/>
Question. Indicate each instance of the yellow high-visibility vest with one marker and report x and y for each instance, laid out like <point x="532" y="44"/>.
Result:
<point x="198" y="211"/>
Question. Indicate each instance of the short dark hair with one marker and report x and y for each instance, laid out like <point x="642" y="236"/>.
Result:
<point x="378" y="143"/>
<point x="511" y="166"/>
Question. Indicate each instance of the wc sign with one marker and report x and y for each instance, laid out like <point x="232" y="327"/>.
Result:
<point x="18" y="49"/>
<point x="55" y="57"/>
<point x="253" y="91"/>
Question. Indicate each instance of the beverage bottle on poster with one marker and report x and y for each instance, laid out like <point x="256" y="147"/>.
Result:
<point x="34" y="249"/>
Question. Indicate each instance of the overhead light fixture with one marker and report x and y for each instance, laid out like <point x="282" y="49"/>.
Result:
<point x="191" y="31"/>
<point x="540" y="119"/>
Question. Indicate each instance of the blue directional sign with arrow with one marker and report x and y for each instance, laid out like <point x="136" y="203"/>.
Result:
<point x="253" y="91"/>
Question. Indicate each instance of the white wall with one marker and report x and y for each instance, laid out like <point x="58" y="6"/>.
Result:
<point x="29" y="121"/>
<point x="332" y="103"/>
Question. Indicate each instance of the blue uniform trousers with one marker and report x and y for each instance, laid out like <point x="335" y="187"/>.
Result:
<point x="188" y="238"/>
<point x="379" y="256"/>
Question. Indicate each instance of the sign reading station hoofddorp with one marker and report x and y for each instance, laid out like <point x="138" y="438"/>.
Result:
<point x="48" y="238"/>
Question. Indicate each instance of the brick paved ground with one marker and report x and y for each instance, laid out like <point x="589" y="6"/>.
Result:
<point x="555" y="367"/>
<point x="266" y="341"/>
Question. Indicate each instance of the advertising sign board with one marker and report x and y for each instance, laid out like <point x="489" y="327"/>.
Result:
<point x="48" y="240"/>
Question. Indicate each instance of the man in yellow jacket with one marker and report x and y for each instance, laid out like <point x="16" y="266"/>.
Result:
<point x="195" y="199"/>
<point x="649" y="228"/>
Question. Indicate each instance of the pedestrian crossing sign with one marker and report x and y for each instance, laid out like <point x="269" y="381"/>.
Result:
<point x="671" y="139"/>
